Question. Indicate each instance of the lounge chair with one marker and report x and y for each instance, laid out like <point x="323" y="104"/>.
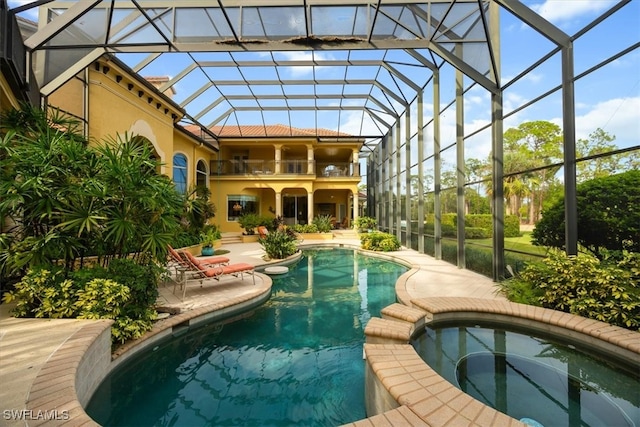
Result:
<point x="174" y="257"/>
<point x="202" y="272"/>
<point x="207" y="261"/>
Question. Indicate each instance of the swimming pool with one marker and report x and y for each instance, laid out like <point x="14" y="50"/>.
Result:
<point x="531" y="376"/>
<point x="297" y="360"/>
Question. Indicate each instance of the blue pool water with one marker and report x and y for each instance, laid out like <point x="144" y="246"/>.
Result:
<point x="295" y="361"/>
<point x="533" y="377"/>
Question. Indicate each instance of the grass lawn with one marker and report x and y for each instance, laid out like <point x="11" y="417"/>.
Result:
<point x="521" y="244"/>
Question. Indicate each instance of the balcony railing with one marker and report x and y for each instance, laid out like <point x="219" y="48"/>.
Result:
<point x="336" y="170"/>
<point x="242" y="167"/>
<point x="287" y="167"/>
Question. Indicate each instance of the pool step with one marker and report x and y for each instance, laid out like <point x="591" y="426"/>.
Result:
<point x="397" y="324"/>
<point x="384" y="330"/>
<point x="404" y="313"/>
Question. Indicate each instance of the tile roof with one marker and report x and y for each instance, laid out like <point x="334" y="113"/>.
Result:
<point x="273" y="131"/>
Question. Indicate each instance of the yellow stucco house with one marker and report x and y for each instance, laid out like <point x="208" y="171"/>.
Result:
<point x="272" y="171"/>
<point x="282" y="171"/>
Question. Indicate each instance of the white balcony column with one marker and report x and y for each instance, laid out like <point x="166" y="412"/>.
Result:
<point x="355" y="206"/>
<point x="309" y="207"/>
<point x="310" y="159"/>
<point x="278" y="159"/>
<point x="355" y="165"/>
<point x="278" y="203"/>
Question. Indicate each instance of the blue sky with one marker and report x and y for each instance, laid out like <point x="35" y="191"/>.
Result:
<point x="610" y="99"/>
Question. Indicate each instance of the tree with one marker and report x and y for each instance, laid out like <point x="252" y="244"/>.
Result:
<point x="63" y="200"/>
<point x="529" y="146"/>
<point x="600" y="142"/>
<point x="608" y="216"/>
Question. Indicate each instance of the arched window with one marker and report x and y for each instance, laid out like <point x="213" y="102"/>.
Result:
<point x="180" y="172"/>
<point x="201" y="174"/>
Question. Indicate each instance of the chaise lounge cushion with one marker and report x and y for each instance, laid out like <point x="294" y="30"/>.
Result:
<point x="240" y="267"/>
<point x="207" y="260"/>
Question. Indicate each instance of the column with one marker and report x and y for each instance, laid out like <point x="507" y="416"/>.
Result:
<point x="420" y="174"/>
<point x="310" y="160"/>
<point x="355" y="206"/>
<point x="278" y="160"/>
<point x="460" y="175"/>
<point x="437" y="167"/>
<point x="355" y="167"/>
<point x="278" y="203"/>
<point x="309" y="207"/>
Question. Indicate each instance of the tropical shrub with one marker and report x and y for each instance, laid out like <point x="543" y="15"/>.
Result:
<point x="323" y="223"/>
<point x="249" y="221"/>
<point x="364" y="223"/>
<point x="279" y="244"/>
<point x="607" y="290"/>
<point x="142" y="281"/>
<point x="67" y="200"/>
<point x="305" y="228"/>
<point x="197" y="210"/>
<point x="209" y="235"/>
<point x="47" y="293"/>
<point x="378" y="241"/>
<point x="608" y="216"/>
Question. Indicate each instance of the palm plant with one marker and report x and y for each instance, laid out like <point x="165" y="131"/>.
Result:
<point x="141" y="206"/>
<point x="63" y="200"/>
<point x="197" y="208"/>
<point x="42" y="160"/>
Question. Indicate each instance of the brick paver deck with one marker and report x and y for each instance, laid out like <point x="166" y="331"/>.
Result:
<point x="34" y="351"/>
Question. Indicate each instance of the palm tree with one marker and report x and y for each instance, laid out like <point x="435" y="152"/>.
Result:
<point x="63" y="200"/>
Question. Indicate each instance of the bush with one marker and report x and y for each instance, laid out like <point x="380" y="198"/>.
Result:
<point x="517" y="290"/>
<point x="381" y="242"/>
<point x="364" y="223"/>
<point x="87" y="295"/>
<point x="608" y="216"/>
<point x="323" y="223"/>
<point x="476" y="233"/>
<point x="279" y="244"/>
<point x="249" y="222"/>
<point x="606" y="290"/>
<point x="474" y="221"/>
<point x="305" y="228"/>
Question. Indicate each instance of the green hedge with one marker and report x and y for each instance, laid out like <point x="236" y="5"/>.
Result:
<point x="473" y="223"/>
<point x="478" y="259"/>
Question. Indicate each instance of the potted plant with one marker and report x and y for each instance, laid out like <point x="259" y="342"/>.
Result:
<point x="248" y="222"/>
<point x="210" y="238"/>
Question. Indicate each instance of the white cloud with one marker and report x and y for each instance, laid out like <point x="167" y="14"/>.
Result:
<point x="558" y="11"/>
<point x="302" y="71"/>
<point x="618" y="117"/>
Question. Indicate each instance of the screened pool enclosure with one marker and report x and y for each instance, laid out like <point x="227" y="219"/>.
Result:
<point x="432" y="87"/>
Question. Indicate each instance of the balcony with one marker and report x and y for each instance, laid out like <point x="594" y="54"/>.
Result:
<point x="261" y="168"/>
<point x="337" y="170"/>
<point x="242" y="167"/>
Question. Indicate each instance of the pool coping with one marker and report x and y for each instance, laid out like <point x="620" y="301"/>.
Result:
<point x="72" y="373"/>
<point x="403" y="389"/>
<point x="70" y="376"/>
<point x="67" y="380"/>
